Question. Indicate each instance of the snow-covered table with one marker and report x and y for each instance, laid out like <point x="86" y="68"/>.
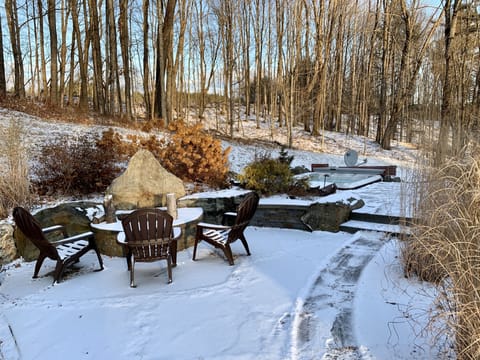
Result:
<point x="107" y="234"/>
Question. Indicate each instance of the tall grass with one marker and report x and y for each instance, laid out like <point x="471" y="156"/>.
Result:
<point x="445" y="246"/>
<point x="15" y="186"/>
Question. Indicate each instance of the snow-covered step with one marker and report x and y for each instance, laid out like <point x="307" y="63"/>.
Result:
<point x="353" y="226"/>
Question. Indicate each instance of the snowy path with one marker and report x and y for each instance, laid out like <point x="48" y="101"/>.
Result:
<point x="322" y="323"/>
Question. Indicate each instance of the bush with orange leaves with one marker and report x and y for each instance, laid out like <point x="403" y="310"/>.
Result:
<point x="193" y="155"/>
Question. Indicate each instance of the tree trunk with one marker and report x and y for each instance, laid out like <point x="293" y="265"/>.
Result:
<point x="3" y="84"/>
<point x="63" y="53"/>
<point x="43" y="62"/>
<point x="163" y="104"/>
<point x="99" y="98"/>
<point x="12" y="20"/>
<point x="52" y="27"/>
<point x="146" y="67"/>
<point x="82" y="56"/>
<point x="124" y="44"/>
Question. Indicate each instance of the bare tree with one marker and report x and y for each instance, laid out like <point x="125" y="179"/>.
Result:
<point x="41" y="45"/>
<point x="410" y="62"/>
<point x="259" y="25"/>
<point x="124" y="45"/>
<point x="82" y="49"/>
<point x="146" y="67"/>
<point x="65" y="15"/>
<point x="3" y="84"/>
<point x="94" y="32"/>
<point x="52" y="27"/>
<point x="13" y="26"/>
<point x="450" y="11"/>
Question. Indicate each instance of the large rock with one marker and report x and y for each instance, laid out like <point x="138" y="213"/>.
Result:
<point x="75" y="216"/>
<point x="8" y="250"/>
<point x="144" y="184"/>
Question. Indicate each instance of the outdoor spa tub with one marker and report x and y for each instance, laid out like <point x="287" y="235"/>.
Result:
<point x="345" y="178"/>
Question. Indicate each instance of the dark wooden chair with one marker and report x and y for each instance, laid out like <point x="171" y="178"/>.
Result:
<point x="65" y="252"/>
<point x="222" y="236"/>
<point x="149" y="236"/>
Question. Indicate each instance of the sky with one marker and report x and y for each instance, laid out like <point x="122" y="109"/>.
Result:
<point x="300" y="295"/>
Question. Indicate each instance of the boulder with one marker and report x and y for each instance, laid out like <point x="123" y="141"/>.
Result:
<point x="8" y="250"/>
<point x="75" y="216"/>
<point x="144" y="184"/>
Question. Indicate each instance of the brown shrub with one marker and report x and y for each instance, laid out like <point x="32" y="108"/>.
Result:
<point x="195" y="156"/>
<point x="190" y="154"/>
<point x="76" y="167"/>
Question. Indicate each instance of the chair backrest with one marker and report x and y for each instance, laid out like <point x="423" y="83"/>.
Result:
<point x="147" y="232"/>
<point x="245" y="212"/>
<point x="247" y="208"/>
<point x="31" y="228"/>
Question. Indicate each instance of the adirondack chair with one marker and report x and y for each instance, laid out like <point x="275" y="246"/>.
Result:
<point x="149" y="236"/>
<point x="222" y="236"/>
<point x="65" y="252"/>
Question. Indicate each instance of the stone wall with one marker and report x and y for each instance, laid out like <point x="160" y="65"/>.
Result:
<point x="280" y="216"/>
<point x="309" y="217"/>
<point x="214" y="207"/>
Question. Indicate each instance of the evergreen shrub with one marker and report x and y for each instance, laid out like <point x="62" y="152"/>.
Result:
<point x="267" y="175"/>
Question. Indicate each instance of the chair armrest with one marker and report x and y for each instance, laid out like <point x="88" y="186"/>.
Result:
<point x="228" y="215"/>
<point x="83" y="236"/>
<point x="212" y="226"/>
<point x="177" y="232"/>
<point x="121" y="238"/>
<point x="53" y="228"/>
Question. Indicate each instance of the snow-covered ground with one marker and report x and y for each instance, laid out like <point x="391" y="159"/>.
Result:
<point x="300" y="295"/>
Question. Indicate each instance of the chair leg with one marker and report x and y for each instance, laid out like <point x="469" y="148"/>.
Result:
<point x="245" y="244"/>
<point x="100" y="261"/>
<point x="38" y="264"/>
<point x="59" y="268"/>
<point x="169" y="268"/>
<point x="128" y="257"/>
<point x="132" y="275"/>
<point x="195" y="249"/>
<point x="173" y="252"/>
<point x="228" y="253"/>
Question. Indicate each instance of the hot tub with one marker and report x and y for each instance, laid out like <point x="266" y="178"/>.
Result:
<point x="346" y="178"/>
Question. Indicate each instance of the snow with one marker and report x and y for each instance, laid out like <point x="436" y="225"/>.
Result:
<point x="300" y="295"/>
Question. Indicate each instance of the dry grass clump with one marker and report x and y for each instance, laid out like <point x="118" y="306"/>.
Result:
<point x="445" y="247"/>
<point x="15" y="186"/>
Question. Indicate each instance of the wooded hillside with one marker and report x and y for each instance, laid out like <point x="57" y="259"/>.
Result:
<point x="396" y="66"/>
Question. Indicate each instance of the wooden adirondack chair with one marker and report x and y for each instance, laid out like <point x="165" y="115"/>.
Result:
<point x="222" y="236"/>
<point x="149" y="236"/>
<point x="65" y="252"/>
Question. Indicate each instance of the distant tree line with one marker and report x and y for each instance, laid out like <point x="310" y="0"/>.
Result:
<point x="395" y="66"/>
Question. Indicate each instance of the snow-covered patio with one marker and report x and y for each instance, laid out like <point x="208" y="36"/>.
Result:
<point x="300" y="295"/>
